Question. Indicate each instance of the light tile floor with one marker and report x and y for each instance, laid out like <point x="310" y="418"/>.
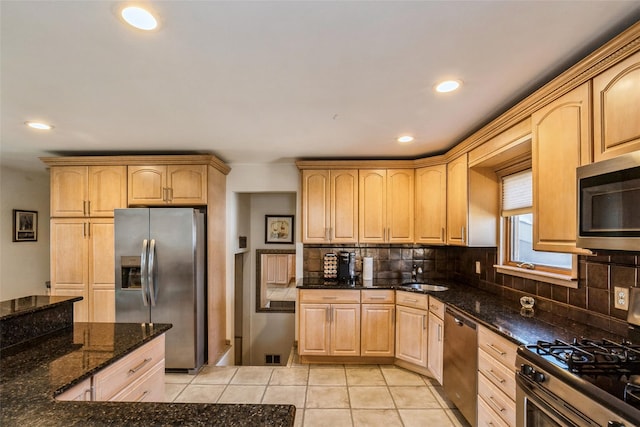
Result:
<point x="325" y="395"/>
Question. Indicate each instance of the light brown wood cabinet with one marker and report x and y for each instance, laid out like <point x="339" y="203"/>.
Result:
<point x="616" y="109"/>
<point x="137" y="377"/>
<point x="378" y="323"/>
<point x="431" y="205"/>
<point x="561" y="142"/>
<point x="277" y="268"/>
<point x="386" y="205"/>
<point x="159" y="185"/>
<point x="457" y="209"/>
<point x="412" y="319"/>
<point x="87" y="191"/>
<point x="82" y="264"/>
<point x="435" y="347"/>
<point x="330" y="206"/>
<point x="496" y="378"/>
<point x="329" y="323"/>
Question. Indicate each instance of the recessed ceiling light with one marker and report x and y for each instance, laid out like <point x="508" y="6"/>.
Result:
<point x="448" y="86"/>
<point x="139" y="18"/>
<point x="39" y="125"/>
<point x="405" y="139"/>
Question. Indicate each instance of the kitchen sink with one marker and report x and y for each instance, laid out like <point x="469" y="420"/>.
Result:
<point x="425" y="286"/>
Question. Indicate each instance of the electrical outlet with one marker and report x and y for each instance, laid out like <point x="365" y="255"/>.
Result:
<point x="478" y="268"/>
<point x="621" y="298"/>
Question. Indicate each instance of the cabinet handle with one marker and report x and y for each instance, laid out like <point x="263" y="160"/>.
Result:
<point x="88" y="230"/>
<point x="495" y="404"/>
<point x="328" y="315"/>
<point x="424" y="323"/>
<point x="170" y="191"/>
<point x="442" y="234"/>
<point x="89" y="392"/>
<point x="497" y="350"/>
<point x="462" y="236"/>
<point x="377" y="297"/>
<point x="89" y="207"/>
<point x="137" y="368"/>
<point x="433" y="307"/>
<point x="84" y="208"/>
<point x="329" y="297"/>
<point x="439" y="332"/>
<point x="142" y="396"/>
<point x="409" y="300"/>
<point x="496" y="377"/>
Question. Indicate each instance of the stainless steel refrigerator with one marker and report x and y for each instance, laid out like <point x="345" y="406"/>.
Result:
<point x="160" y="277"/>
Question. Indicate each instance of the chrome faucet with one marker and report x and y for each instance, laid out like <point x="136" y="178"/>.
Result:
<point x="414" y="273"/>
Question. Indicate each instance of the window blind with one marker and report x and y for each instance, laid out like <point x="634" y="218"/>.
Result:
<point x="517" y="195"/>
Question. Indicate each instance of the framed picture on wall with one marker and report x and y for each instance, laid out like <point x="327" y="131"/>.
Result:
<point x="25" y="226"/>
<point x="278" y="229"/>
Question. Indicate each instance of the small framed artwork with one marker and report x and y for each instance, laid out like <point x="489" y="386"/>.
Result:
<point x="278" y="229"/>
<point x="25" y="226"/>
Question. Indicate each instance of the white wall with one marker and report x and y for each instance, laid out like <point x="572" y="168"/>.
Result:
<point x="255" y="179"/>
<point x="24" y="266"/>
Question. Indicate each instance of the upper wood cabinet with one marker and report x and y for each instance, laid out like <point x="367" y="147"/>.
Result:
<point x="330" y="206"/>
<point x="561" y="142"/>
<point x="168" y="184"/>
<point x="457" y="210"/>
<point x="87" y="191"/>
<point x="616" y="109"/>
<point x="431" y="205"/>
<point x="386" y="206"/>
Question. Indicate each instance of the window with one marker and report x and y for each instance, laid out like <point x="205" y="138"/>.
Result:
<point x="517" y="253"/>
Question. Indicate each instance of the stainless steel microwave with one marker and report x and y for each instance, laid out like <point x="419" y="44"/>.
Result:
<point x="609" y="204"/>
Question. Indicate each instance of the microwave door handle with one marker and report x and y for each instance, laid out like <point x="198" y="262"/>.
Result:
<point x="153" y="289"/>
<point x="144" y="278"/>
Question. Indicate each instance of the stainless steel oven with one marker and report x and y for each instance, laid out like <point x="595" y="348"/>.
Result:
<point x="551" y="396"/>
<point x="608" y="201"/>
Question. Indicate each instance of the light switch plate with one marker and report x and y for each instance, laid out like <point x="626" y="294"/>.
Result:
<point x="621" y="298"/>
<point x="478" y="268"/>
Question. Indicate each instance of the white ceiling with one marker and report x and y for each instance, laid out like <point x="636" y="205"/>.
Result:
<point x="269" y="81"/>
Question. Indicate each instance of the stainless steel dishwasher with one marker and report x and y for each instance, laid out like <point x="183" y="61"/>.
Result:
<point x="460" y="376"/>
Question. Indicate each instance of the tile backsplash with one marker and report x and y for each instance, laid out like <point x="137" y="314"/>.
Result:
<point x="591" y="303"/>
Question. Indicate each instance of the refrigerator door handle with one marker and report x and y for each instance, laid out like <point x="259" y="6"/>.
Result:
<point x="144" y="278"/>
<point x="153" y="290"/>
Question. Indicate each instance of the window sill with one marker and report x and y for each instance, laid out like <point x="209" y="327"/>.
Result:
<point x="540" y="276"/>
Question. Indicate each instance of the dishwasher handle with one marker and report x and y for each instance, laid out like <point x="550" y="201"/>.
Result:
<point x="460" y="319"/>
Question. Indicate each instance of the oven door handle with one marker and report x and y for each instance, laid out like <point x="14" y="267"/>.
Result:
<point x="550" y="402"/>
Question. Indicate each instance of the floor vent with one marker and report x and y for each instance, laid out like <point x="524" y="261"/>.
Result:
<point x="272" y="359"/>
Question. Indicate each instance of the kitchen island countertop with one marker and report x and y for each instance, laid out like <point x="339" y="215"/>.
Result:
<point x="32" y="373"/>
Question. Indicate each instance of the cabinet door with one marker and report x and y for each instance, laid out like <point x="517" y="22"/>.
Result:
<point x="314" y="329"/>
<point x="79" y="393"/>
<point x="315" y="206"/>
<point x="69" y="265"/>
<point x="431" y="205"/>
<point x="147" y="185"/>
<point x="282" y="269"/>
<point x="345" y="330"/>
<point x="436" y="346"/>
<point x="187" y="184"/>
<point x="616" y="108"/>
<point x="69" y="191"/>
<point x="101" y="271"/>
<point x="107" y="190"/>
<point x="400" y="205"/>
<point x="343" y="225"/>
<point x="411" y="335"/>
<point x="378" y="330"/>
<point x="272" y="268"/>
<point x="560" y="143"/>
<point x="372" y="208"/>
<point x="457" y="208"/>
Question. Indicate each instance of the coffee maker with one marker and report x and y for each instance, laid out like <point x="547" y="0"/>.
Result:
<point x="346" y="266"/>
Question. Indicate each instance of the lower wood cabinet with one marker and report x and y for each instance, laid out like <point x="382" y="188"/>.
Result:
<point x="411" y="335"/>
<point x="137" y="377"/>
<point x="329" y="329"/>
<point x="378" y="323"/>
<point x="496" y="379"/>
<point x="435" y="349"/>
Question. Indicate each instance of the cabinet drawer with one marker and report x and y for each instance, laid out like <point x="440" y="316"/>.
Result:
<point x="487" y="417"/>
<point x="499" y="402"/>
<point x="501" y="376"/>
<point x="329" y="296"/>
<point x="497" y="347"/>
<point x="412" y="299"/>
<point x="378" y="296"/>
<point x="117" y="376"/>
<point x="79" y="392"/>
<point x="147" y="388"/>
<point x="436" y="307"/>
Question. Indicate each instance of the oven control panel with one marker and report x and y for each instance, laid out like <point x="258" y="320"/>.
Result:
<point x="529" y="372"/>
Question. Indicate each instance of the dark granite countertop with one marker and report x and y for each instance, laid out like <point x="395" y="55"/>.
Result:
<point x="31" y="304"/>
<point x="499" y="314"/>
<point x="32" y="373"/>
